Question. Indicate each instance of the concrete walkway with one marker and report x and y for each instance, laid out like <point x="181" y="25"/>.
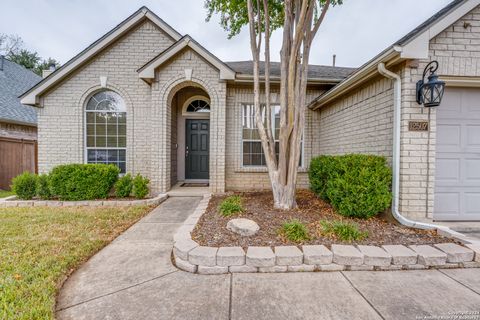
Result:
<point x="133" y="278"/>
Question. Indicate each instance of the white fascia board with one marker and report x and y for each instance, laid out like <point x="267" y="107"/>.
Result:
<point x="418" y="47"/>
<point x="148" y="73"/>
<point x="32" y="97"/>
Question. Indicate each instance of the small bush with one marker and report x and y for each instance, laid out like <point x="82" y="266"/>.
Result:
<point x="343" y="230"/>
<point x="140" y="187"/>
<point x="356" y="185"/>
<point x="25" y="185"/>
<point x="76" y="182"/>
<point x="43" y="187"/>
<point x="230" y="206"/>
<point x="295" y="231"/>
<point x="124" y="186"/>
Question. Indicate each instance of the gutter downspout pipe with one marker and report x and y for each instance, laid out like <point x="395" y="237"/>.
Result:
<point x="396" y="152"/>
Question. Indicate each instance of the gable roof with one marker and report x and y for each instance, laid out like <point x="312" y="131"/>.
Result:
<point x="31" y="96"/>
<point x="147" y="72"/>
<point x="414" y="45"/>
<point x="315" y="72"/>
<point x="15" y="79"/>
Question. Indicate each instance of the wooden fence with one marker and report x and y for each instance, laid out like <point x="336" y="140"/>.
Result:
<point x="16" y="157"/>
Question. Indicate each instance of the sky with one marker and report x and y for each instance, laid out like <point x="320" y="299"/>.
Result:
<point x="356" y="31"/>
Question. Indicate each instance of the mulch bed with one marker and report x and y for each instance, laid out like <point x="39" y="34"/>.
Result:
<point x="258" y="206"/>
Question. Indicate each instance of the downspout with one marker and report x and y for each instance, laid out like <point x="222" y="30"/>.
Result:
<point x="397" y="104"/>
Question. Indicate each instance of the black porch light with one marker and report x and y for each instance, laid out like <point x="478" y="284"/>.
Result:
<point x="430" y="93"/>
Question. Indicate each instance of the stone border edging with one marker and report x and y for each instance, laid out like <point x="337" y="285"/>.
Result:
<point x="4" y="203"/>
<point x="191" y="257"/>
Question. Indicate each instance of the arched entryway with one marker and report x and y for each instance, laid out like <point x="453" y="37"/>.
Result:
<point x="190" y="136"/>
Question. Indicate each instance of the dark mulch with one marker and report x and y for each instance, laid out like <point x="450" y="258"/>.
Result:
<point x="211" y="229"/>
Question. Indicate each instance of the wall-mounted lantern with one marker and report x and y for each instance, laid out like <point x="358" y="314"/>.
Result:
<point x="430" y="93"/>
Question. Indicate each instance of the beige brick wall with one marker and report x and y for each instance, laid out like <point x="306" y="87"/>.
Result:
<point x="170" y="78"/>
<point x="360" y="122"/>
<point x="457" y="49"/>
<point x="60" y="121"/>
<point x="248" y="178"/>
<point x="17" y="131"/>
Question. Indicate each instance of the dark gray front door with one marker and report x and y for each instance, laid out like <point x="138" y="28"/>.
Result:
<point x="197" y="149"/>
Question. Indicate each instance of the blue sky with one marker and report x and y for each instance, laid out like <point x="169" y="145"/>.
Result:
<point x="355" y="32"/>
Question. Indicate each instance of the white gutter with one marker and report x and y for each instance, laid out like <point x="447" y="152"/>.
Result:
<point x="396" y="151"/>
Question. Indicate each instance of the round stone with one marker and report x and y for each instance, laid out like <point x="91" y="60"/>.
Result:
<point x="243" y="227"/>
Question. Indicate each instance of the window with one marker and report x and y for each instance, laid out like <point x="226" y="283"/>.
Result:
<point x="198" y="106"/>
<point x="253" y="155"/>
<point x="106" y="129"/>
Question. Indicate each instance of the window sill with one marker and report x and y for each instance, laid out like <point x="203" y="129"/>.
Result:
<point x="263" y="170"/>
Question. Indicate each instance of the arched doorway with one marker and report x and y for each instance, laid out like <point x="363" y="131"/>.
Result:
<point x="190" y="136"/>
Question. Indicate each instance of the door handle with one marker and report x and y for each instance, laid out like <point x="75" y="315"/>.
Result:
<point x="186" y="152"/>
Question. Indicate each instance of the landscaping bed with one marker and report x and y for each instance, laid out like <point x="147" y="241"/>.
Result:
<point x="311" y="212"/>
<point x="40" y="247"/>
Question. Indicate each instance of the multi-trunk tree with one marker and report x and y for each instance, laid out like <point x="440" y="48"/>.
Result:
<point x="299" y="21"/>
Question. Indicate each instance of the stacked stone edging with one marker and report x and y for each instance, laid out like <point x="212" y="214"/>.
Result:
<point x="190" y="256"/>
<point x="90" y="203"/>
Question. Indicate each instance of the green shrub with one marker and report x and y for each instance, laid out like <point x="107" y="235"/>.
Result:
<point x="356" y="185"/>
<point x="295" y="231"/>
<point x="43" y="187"/>
<point x="83" y="181"/>
<point x="124" y="186"/>
<point x="25" y="185"/>
<point x="231" y="205"/>
<point x="343" y="230"/>
<point x="140" y="187"/>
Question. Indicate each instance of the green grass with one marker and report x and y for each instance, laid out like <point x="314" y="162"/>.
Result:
<point x="295" y="231"/>
<point x="344" y="231"/>
<point x="230" y="206"/>
<point x="39" y="247"/>
<point x="4" y="193"/>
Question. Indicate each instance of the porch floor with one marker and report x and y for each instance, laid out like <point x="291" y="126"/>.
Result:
<point x="178" y="191"/>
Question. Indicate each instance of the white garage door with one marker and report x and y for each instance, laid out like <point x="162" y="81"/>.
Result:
<point x="457" y="177"/>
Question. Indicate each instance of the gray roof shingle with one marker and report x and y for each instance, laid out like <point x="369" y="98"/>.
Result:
<point x="15" y="80"/>
<point x="314" y="71"/>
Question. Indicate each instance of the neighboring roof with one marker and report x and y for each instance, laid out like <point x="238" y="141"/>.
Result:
<point x="414" y="45"/>
<point x="14" y="80"/>
<point x="314" y="71"/>
<point x="31" y="96"/>
<point x="147" y="72"/>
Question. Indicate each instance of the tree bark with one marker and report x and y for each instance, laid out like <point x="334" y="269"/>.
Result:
<point x="299" y="29"/>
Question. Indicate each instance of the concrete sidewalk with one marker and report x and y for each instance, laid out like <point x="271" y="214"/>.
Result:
<point x="133" y="278"/>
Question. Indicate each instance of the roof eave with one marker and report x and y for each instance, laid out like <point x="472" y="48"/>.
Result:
<point x="31" y="96"/>
<point x="389" y="57"/>
<point x="147" y="72"/>
<point x="19" y="122"/>
<point x="415" y="48"/>
<point x="245" y="78"/>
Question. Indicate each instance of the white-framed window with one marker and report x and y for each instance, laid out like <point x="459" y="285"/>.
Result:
<point x="196" y="106"/>
<point x="252" y="152"/>
<point x="106" y="129"/>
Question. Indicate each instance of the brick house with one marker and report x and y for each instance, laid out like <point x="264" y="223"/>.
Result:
<point x="18" y="122"/>
<point x="158" y="103"/>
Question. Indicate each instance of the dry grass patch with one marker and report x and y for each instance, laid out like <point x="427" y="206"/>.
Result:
<point x="40" y="247"/>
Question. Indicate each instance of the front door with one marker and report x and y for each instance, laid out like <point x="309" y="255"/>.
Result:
<point x="197" y="149"/>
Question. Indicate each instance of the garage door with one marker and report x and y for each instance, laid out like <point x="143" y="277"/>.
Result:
<point x="457" y="176"/>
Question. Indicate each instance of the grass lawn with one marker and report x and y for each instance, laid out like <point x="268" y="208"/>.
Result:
<point x="4" y="193"/>
<point x="39" y="247"/>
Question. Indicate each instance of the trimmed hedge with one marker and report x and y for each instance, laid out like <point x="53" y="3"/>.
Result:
<point x="356" y="185"/>
<point x="124" y="185"/>
<point x="43" y="187"/>
<point x="140" y="187"/>
<point x="74" y="182"/>
<point x="25" y="185"/>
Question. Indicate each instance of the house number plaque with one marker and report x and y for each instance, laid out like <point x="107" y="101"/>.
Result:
<point x="418" y="126"/>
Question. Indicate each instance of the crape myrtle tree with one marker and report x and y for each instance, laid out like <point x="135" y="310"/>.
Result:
<point x="299" y="21"/>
